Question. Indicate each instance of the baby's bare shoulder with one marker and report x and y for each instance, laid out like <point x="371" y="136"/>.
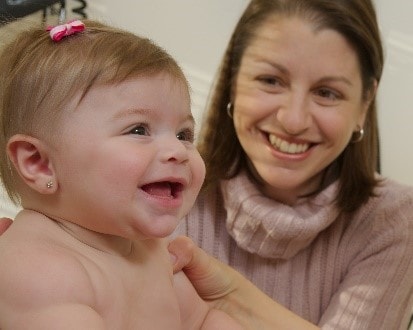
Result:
<point x="37" y="272"/>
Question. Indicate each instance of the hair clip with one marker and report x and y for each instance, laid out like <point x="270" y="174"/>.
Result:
<point x="60" y="31"/>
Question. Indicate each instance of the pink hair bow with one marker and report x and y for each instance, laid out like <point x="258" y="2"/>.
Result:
<point x="60" y="31"/>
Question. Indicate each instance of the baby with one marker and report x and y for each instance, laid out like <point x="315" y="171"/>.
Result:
<point x="97" y="138"/>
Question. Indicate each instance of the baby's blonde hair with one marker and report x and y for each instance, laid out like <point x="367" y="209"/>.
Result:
<point x="39" y="77"/>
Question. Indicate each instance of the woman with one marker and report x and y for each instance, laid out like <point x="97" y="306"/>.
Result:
<point x="292" y="199"/>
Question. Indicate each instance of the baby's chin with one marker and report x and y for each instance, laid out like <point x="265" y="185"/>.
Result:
<point x="161" y="227"/>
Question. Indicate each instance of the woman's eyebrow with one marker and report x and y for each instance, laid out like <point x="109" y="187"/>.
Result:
<point x="336" y="79"/>
<point x="261" y="60"/>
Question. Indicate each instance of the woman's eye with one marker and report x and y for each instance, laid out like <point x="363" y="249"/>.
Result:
<point x="186" y="135"/>
<point x="328" y="94"/>
<point x="270" y="80"/>
<point x="139" y="130"/>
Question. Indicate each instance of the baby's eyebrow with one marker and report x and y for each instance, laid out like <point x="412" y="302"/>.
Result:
<point x="134" y="111"/>
<point x="147" y="113"/>
<point x="190" y="118"/>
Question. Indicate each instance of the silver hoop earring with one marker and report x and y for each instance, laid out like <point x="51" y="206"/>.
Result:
<point x="358" y="136"/>
<point x="49" y="184"/>
<point x="229" y="110"/>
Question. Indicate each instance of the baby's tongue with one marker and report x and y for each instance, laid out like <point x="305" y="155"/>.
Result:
<point x="162" y="189"/>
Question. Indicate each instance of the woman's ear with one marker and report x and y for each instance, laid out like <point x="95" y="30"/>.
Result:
<point x="31" y="161"/>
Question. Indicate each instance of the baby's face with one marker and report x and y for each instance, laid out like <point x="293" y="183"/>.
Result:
<point x="125" y="161"/>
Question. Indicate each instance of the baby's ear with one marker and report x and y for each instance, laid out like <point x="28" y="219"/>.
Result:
<point x="31" y="160"/>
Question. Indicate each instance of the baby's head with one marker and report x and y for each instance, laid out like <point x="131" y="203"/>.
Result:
<point x="40" y="77"/>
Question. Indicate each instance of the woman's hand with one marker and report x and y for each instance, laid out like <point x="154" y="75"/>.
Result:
<point x="226" y="289"/>
<point x="4" y="224"/>
<point x="211" y="278"/>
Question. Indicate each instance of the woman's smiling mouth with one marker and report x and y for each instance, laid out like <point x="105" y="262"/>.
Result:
<point x="287" y="147"/>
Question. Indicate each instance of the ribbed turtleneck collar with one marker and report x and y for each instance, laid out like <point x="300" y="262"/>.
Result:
<point x="271" y="229"/>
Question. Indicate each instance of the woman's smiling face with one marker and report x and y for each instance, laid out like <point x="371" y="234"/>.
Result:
<point x="298" y="100"/>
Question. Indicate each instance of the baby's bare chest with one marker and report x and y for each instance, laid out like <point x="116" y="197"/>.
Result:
<point x="136" y="294"/>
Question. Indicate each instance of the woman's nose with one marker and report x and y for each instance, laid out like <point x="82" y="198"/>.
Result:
<point x="294" y="115"/>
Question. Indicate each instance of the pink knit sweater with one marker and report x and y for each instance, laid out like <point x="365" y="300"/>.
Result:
<point x="335" y="271"/>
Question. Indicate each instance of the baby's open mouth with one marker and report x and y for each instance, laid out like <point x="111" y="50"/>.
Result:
<point x="164" y="189"/>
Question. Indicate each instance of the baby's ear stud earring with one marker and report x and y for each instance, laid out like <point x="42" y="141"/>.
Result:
<point x="49" y="184"/>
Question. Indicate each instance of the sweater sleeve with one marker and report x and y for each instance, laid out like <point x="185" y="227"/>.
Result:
<point x="376" y="291"/>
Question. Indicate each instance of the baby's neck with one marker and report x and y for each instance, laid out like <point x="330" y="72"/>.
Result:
<point x="106" y="243"/>
<point x="103" y="242"/>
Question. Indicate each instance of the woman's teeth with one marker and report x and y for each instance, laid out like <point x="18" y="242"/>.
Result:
<point x="286" y="147"/>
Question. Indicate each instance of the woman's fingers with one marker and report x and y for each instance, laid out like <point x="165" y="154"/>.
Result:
<point x="211" y="278"/>
<point x="182" y="252"/>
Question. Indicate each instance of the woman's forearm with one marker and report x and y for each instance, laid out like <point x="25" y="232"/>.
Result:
<point x="255" y="310"/>
<point x="227" y="290"/>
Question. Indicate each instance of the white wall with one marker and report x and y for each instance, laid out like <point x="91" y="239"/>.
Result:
<point x="396" y="90"/>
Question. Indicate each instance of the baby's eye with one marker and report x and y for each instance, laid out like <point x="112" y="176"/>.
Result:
<point x="140" y="129"/>
<point x="186" y="135"/>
